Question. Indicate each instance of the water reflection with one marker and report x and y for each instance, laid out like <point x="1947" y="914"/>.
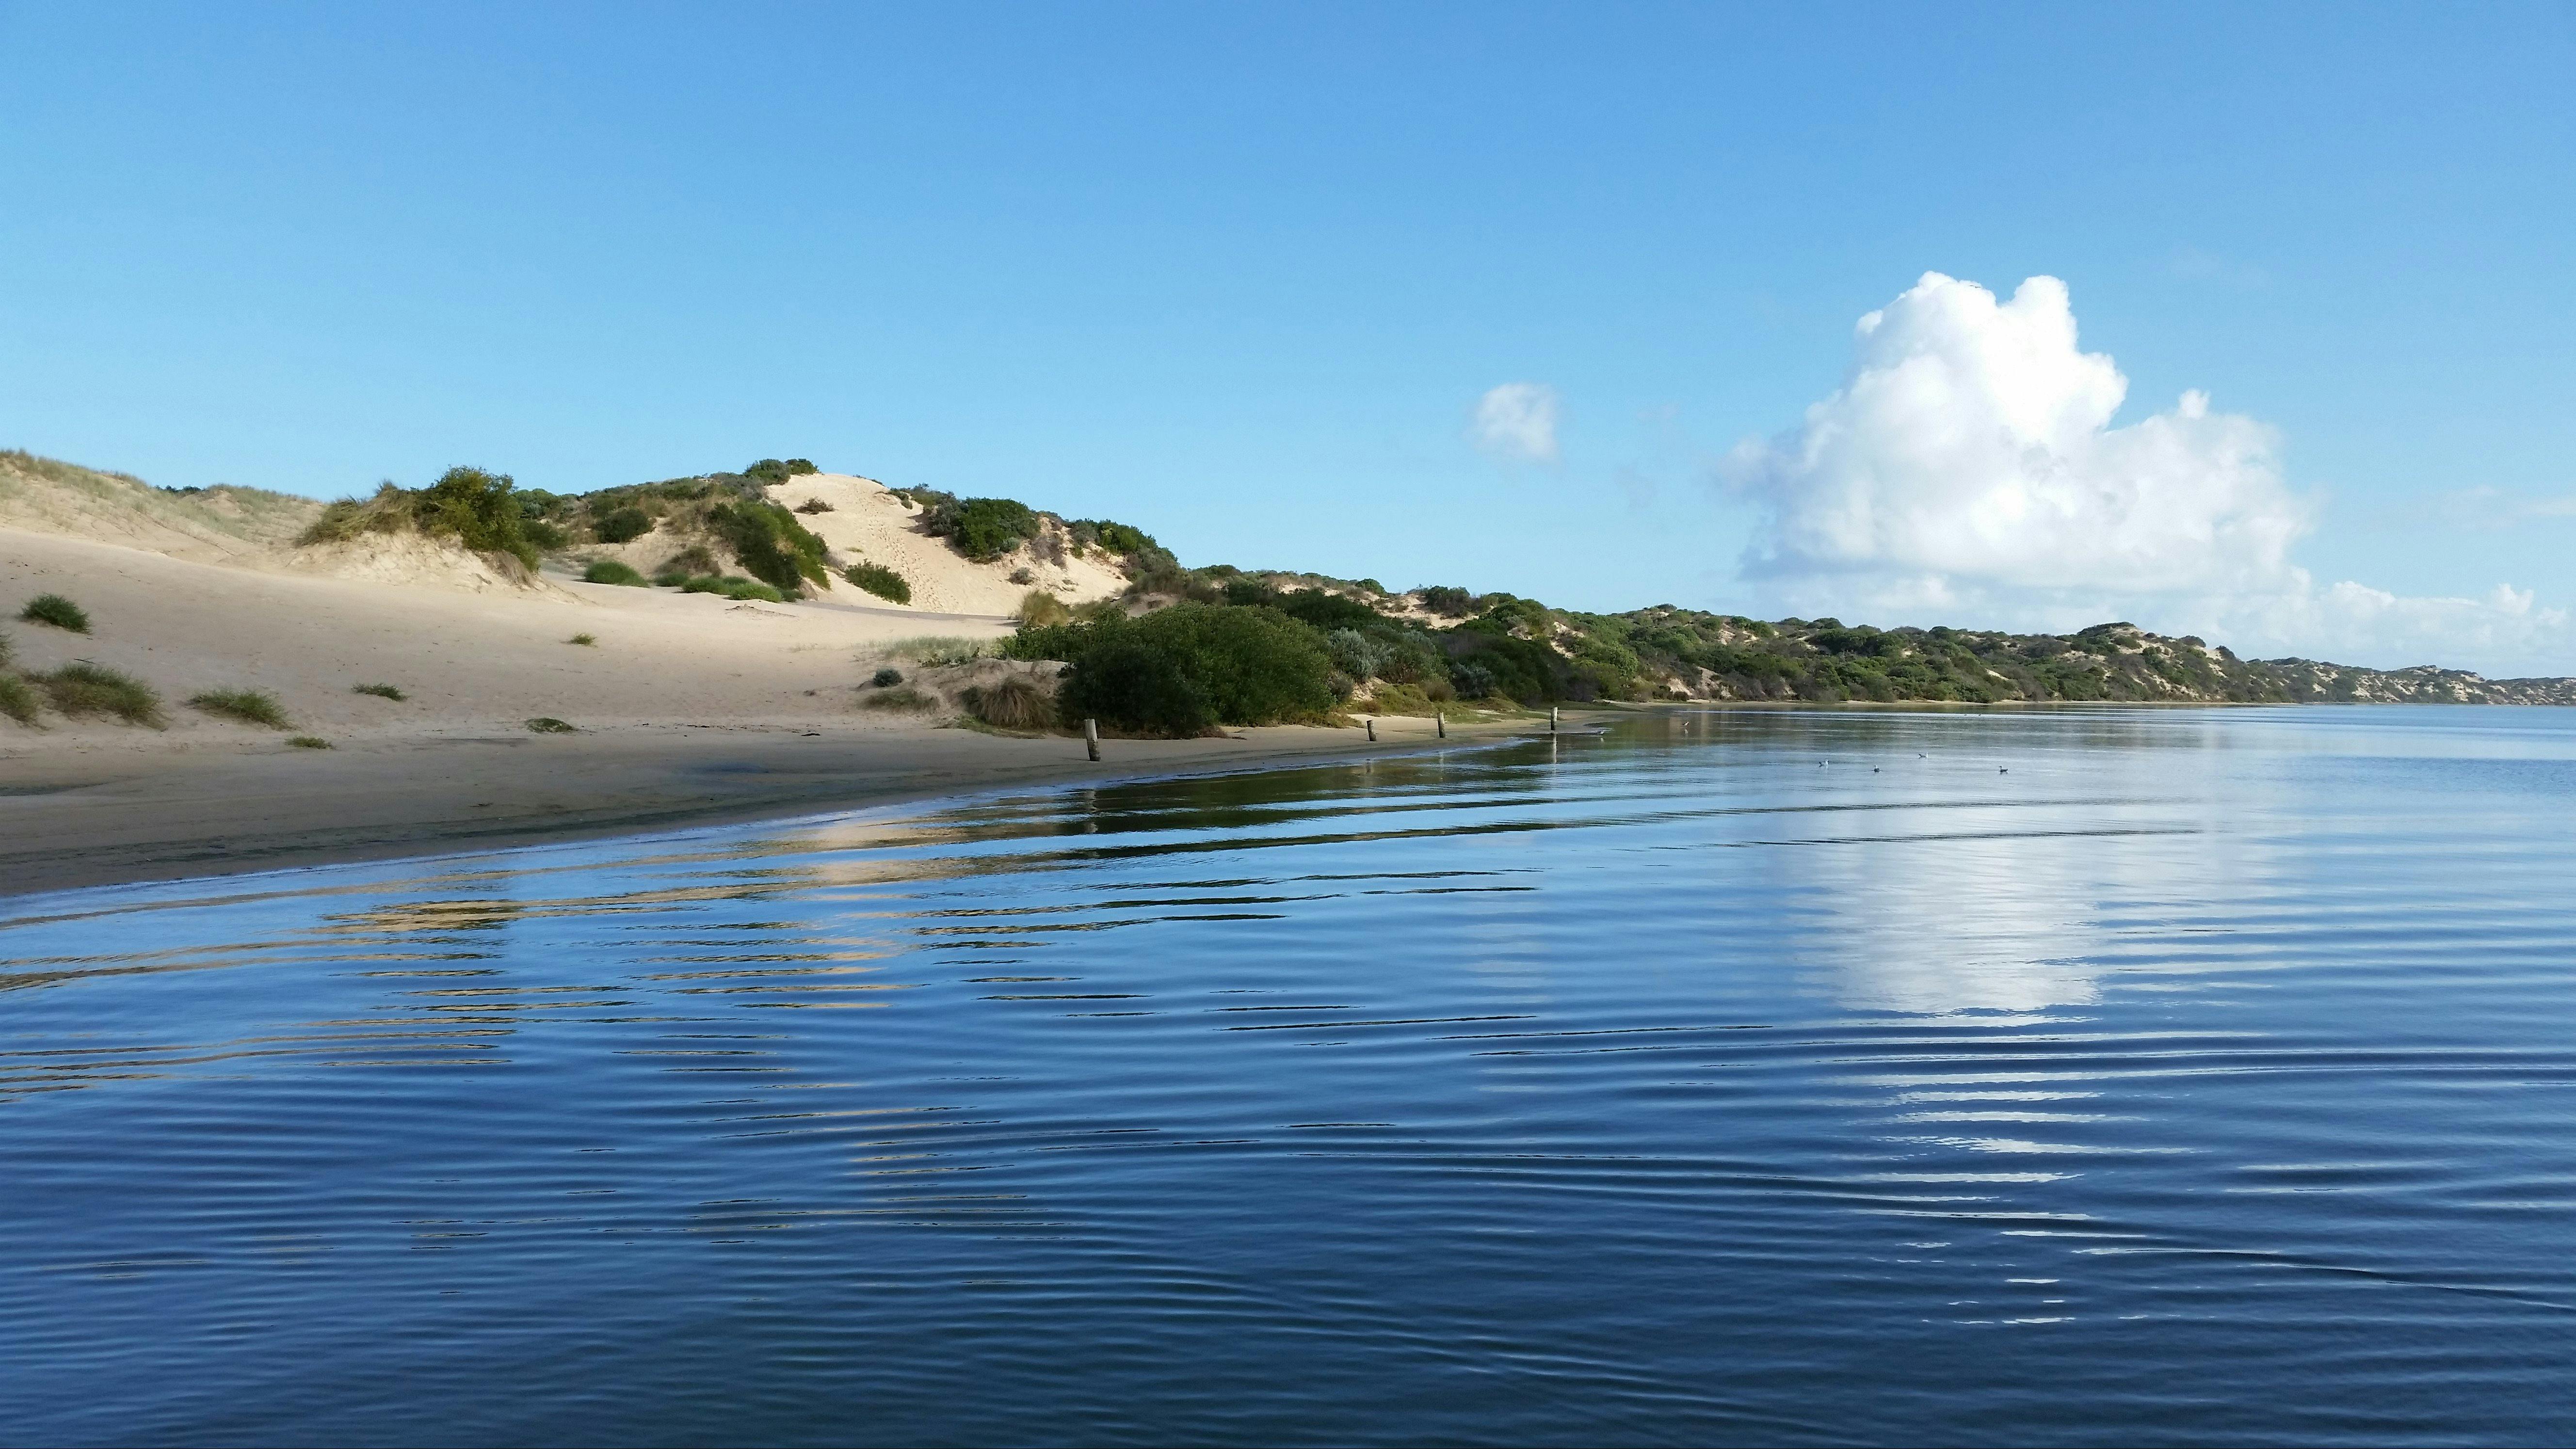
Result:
<point x="1725" y="1076"/>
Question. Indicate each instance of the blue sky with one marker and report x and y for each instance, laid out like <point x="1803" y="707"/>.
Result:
<point x="1242" y="274"/>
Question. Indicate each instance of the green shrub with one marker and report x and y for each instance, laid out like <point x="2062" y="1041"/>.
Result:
<point x="250" y="706"/>
<point x="1038" y="609"/>
<point x="813" y="505"/>
<point x="1445" y="601"/>
<point x="585" y="640"/>
<point x="1327" y="611"/>
<point x="543" y="534"/>
<point x="6" y="651"/>
<point x="770" y="472"/>
<point x="770" y="544"/>
<point x="693" y="562"/>
<point x="1012" y="704"/>
<point x="879" y="580"/>
<point x="17" y="698"/>
<point x="549" y="725"/>
<point x="934" y="651"/>
<point x="886" y="678"/>
<point x="901" y="697"/>
<point x="733" y="587"/>
<point x="475" y="508"/>
<point x="984" y="528"/>
<point x="611" y="571"/>
<point x="1189" y="666"/>
<point x="57" y="611"/>
<point x="86" y="689"/>
<point x="309" y="742"/>
<point x="380" y="691"/>
<point x="623" y="525"/>
<point x="1117" y="538"/>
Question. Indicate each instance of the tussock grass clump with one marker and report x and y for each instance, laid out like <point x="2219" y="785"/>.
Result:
<point x="17" y="698"/>
<point x="1038" y="609"/>
<point x="733" y="587"/>
<point x="900" y="697"/>
<point x="886" y="678"/>
<point x="250" y="706"/>
<point x="546" y="724"/>
<point x="380" y="691"/>
<point x="813" y="505"/>
<point x="57" y="611"/>
<point x="935" y="650"/>
<point x="1012" y="704"/>
<point x="585" y="640"/>
<point x="87" y="689"/>
<point x="881" y="581"/>
<point x="611" y="571"/>
<point x="309" y="742"/>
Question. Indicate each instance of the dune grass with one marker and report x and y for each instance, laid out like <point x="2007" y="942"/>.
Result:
<point x="1038" y="609"/>
<point x="309" y="742"/>
<point x="732" y="587"/>
<point x="585" y="640"/>
<point x="548" y="725"/>
<point x="902" y="696"/>
<point x="57" y="611"/>
<point x="881" y="581"/>
<point x="83" y="688"/>
<point x="250" y="706"/>
<point x="380" y="691"/>
<point x="611" y="571"/>
<point x="886" y="678"/>
<point x="934" y="650"/>
<point x="17" y="698"/>
<point x="1012" y="704"/>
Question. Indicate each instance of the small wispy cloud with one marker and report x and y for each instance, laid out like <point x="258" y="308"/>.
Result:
<point x="1516" y="422"/>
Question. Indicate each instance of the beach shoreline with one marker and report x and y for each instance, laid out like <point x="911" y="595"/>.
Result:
<point x="72" y="820"/>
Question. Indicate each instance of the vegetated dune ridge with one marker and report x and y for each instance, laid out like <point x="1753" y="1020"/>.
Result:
<point x="684" y="707"/>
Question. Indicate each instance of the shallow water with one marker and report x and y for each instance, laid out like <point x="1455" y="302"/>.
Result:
<point x="2083" y="1077"/>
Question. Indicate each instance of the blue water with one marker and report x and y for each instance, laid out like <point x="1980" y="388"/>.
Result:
<point x="2082" y="1077"/>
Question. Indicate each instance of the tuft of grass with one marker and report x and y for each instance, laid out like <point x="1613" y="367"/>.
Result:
<point x="6" y="651"/>
<point x="935" y="650"/>
<point x="1039" y="609"/>
<point x="56" y="610"/>
<point x="813" y="505"/>
<point x="900" y="697"/>
<point x="886" y="678"/>
<point x="309" y="742"/>
<point x="250" y="706"/>
<point x="549" y="725"/>
<point x="586" y="640"/>
<point x="17" y="698"/>
<point x="733" y="587"/>
<point x="611" y="571"/>
<point x="84" y="688"/>
<point x="1012" y="704"/>
<point x="881" y="581"/>
<point x="380" y="691"/>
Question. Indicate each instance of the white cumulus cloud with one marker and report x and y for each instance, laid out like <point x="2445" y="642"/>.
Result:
<point x="1517" y="422"/>
<point x="1969" y="464"/>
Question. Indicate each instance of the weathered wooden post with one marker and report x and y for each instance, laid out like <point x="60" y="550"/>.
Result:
<point x="1440" y="722"/>
<point x="1091" y="738"/>
<point x="1551" y="719"/>
<point x="1372" y="728"/>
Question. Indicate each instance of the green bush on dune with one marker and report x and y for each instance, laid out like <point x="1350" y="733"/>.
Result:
<point x="17" y="698"/>
<point x="611" y="571"/>
<point x="771" y="545"/>
<point x="1182" y="669"/>
<point x="732" y="587"/>
<point x="87" y="689"/>
<point x="623" y="525"/>
<point x="879" y="580"/>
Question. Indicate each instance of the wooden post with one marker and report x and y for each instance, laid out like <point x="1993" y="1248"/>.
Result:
<point x="1440" y="722"/>
<point x="1091" y="738"/>
<point x="1551" y="719"/>
<point x="1372" y="728"/>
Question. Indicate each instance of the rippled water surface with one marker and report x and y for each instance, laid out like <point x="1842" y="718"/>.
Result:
<point x="2101" y="1077"/>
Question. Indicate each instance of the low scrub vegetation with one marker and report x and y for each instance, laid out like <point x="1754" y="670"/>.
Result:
<point x="983" y="529"/>
<point x="879" y="580"/>
<point x="733" y="587"/>
<point x="1012" y="704"/>
<point x="936" y="650"/>
<point x="587" y="641"/>
<point x="380" y="691"/>
<point x="56" y="611"/>
<point x="902" y="696"/>
<point x="309" y="742"/>
<point x="611" y="571"/>
<point x="476" y="508"/>
<point x="622" y="525"/>
<point x="813" y="505"/>
<point x="17" y="698"/>
<point x="771" y="545"/>
<point x="250" y="706"/>
<point x="90" y="689"/>
<point x="1039" y="609"/>
<point x="770" y="472"/>
<point x="1181" y="670"/>
<point x="886" y="678"/>
<point x="546" y="724"/>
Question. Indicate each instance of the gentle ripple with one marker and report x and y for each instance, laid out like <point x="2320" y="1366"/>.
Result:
<point x="2079" y="1077"/>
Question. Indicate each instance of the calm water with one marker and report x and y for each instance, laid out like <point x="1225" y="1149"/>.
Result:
<point x="2102" y="1077"/>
